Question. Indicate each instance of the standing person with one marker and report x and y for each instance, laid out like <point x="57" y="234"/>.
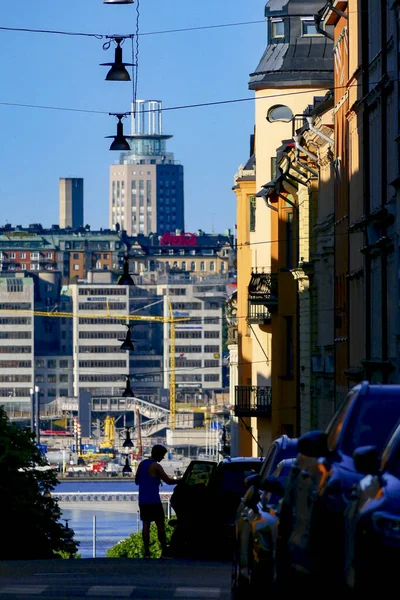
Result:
<point x="148" y="477"/>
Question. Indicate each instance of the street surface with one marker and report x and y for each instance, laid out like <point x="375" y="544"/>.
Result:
<point x="139" y="579"/>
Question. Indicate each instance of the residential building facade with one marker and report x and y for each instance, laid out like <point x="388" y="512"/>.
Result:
<point x="297" y="62"/>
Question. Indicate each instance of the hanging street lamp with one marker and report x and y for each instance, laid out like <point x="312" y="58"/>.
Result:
<point x="120" y="142"/>
<point x="127" y="442"/>
<point x="127" y="342"/>
<point x="118" y="72"/>
<point x="127" y="393"/>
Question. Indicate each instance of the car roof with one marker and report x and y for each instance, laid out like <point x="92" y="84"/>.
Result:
<point x="242" y="459"/>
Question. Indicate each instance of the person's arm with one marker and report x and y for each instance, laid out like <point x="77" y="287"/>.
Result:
<point x="159" y="471"/>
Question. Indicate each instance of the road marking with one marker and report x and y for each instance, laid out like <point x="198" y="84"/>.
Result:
<point x="115" y="591"/>
<point x="23" y="589"/>
<point x="198" y="592"/>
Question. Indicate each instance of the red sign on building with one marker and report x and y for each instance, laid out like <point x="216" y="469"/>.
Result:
<point x="182" y="239"/>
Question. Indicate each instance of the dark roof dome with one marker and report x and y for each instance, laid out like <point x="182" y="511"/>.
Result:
<point x="297" y="54"/>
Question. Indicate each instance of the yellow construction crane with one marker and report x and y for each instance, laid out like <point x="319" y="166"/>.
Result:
<point x="108" y="315"/>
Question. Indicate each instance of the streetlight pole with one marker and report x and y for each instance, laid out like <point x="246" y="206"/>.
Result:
<point x="37" y="408"/>
<point x="32" y="391"/>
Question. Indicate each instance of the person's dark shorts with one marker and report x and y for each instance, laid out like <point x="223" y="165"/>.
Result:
<point x="152" y="512"/>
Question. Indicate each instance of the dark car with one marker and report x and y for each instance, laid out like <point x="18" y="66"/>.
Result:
<point x="205" y="502"/>
<point x="372" y="520"/>
<point x="254" y="566"/>
<point x="311" y="525"/>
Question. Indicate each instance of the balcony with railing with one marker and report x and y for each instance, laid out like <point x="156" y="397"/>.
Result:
<point x="253" y="401"/>
<point x="262" y="297"/>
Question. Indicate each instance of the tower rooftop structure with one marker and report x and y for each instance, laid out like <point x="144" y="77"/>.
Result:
<point x="297" y="54"/>
<point x="146" y="138"/>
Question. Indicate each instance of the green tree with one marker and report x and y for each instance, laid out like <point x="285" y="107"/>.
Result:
<point x="31" y="513"/>
<point x="132" y="547"/>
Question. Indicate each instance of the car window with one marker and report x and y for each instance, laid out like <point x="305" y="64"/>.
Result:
<point x="371" y="423"/>
<point x="335" y="426"/>
<point x="199" y="473"/>
<point x="268" y="462"/>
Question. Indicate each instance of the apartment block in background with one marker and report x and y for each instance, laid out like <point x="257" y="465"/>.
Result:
<point x="16" y="341"/>
<point x="101" y="309"/>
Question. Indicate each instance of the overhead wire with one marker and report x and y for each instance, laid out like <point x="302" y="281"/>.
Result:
<point x="196" y="105"/>
<point x="145" y="33"/>
<point x="178" y="107"/>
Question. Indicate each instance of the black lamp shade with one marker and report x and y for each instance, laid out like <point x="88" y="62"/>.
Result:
<point x="127" y="393"/>
<point x="127" y="468"/>
<point x="119" y="142"/>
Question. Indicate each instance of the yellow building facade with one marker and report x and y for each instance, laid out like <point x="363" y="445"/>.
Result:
<point x="284" y="84"/>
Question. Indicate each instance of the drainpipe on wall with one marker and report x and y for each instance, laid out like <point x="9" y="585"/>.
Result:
<point x="384" y="255"/>
<point x="296" y="139"/>
<point x="310" y="121"/>
<point x="366" y="207"/>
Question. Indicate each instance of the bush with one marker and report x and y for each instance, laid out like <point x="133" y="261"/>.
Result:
<point x="132" y="547"/>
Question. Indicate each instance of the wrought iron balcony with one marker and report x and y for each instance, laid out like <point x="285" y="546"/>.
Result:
<point x="262" y="297"/>
<point x="253" y="401"/>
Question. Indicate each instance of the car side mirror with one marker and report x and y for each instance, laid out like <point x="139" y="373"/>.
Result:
<point x="252" y="480"/>
<point x="313" y="444"/>
<point x="273" y="485"/>
<point x="366" y="460"/>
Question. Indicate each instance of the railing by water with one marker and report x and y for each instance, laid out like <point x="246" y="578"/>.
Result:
<point x="104" y="496"/>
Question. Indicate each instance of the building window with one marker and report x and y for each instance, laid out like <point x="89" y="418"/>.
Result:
<point x="212" y="266"/>
<point x="202" y="266"/>
<point x="75" y="255"/>
<point x="279" y="112"/>
<point x="76" y="267"/>
<point x="289" y="240"/>
<point x="192" y="266"/>
<point x="277" y="29"/>
<point x="22" y="255"/>
<point x="51" y="364"/>
<point x="252" y="206"/>
<point x="308" y="27"/>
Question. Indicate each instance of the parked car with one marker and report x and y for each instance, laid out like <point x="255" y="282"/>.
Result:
<point x="254" y="566"/>
<point x="311" y="524"/>
<point x="372" y="520"/>
<point x="205" y="502"/>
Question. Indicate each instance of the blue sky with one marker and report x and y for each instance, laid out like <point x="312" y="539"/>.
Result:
<point x="40" y="146"/>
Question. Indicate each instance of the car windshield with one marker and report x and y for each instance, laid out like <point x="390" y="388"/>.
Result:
<point x="371" y="422"/>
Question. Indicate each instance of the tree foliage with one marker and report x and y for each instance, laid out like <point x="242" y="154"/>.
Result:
<point x="132" y="547"/>
<point x="32" y="515"/>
